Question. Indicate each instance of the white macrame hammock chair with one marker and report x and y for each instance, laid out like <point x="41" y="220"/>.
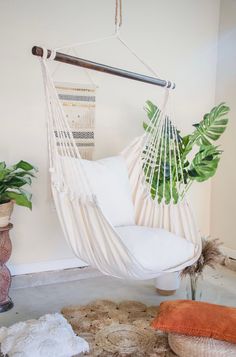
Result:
<point x="89" y="233"/>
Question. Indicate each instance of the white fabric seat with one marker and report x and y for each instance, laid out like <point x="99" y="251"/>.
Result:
<point x="155" y="248"/>
<point x="93" y="198"/>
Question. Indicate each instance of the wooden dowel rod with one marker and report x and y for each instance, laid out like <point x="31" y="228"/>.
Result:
<point x="76" y="61"/>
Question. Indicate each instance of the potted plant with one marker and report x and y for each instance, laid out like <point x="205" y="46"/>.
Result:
<point x="12" y="180"/>
<point x="169" y="175"/>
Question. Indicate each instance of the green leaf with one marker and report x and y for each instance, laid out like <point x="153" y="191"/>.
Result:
<point x="151" y="110"/>
<point x="185" y="146"/>
<point x="2" y="165"/>
<point x="167" y="192"/>
<point x="205" y="163"/>
<point x="2" y="188"/>
<point x="4" y="198"/>
<point x="175" y="193"/>
<point x="146" y="127"/>
<point x="18" y="181"/>
<point x="4" y="173"/>
<point x="19" y="198"/>
<point x="160" y="191"/>
<point x="26" y="193"/>
<point x="24" y="166"/>
<point x="212" y="126"/>
<point x="25" y="173"/>
<point x="153" y="114"/>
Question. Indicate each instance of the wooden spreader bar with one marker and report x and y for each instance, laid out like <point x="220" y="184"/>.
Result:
<point x="80" y="62"/>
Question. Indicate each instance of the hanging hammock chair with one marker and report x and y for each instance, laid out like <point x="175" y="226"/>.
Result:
<point x="163" y="237"/>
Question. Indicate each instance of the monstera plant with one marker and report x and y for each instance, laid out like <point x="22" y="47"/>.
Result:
<point x="198" y="156"/>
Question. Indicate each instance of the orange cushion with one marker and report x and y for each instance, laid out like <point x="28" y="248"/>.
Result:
<point x="195" y="318"/>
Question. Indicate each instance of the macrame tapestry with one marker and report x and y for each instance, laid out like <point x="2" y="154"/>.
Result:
<point x="79" y="103"/>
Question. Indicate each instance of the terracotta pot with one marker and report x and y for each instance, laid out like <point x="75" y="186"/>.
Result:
<point x="5" y="213"/>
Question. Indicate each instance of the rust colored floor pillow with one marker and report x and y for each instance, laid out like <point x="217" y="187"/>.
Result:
<point x="195" y="318"/>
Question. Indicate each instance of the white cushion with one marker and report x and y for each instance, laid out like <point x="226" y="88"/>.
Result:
<point x="110" y="182"/>
<point x="154" y="248"/>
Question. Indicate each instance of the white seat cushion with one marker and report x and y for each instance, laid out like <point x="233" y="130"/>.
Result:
<point x="154" y="248"/>
<point x="110" y="182"/>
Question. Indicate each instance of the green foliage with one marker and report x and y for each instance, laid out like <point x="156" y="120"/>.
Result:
<point x="212" y="126"/>
<point x="153" y="114"/>
<point x="203" y="165"/>
<point x="12" y="180"/>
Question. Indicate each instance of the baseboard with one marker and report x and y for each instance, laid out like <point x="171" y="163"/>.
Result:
<point x="21" y="269"/>
<point x="229" y="252"/>
<point x="53" y="277"/>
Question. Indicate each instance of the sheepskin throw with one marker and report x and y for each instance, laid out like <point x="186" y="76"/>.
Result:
<point x="50" y="336"/>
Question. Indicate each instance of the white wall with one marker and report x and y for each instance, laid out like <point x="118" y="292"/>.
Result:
<point x="178" y="38"/>
<point x="223" y="203"/>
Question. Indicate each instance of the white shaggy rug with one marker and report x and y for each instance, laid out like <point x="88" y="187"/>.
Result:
<point x="50" y="336"/>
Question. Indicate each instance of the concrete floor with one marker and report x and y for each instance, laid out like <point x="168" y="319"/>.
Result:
<point x="218" y="286"/>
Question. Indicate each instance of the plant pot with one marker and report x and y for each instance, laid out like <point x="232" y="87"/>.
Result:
<point x="5" y="213"/>
<point x="5" y="275"/>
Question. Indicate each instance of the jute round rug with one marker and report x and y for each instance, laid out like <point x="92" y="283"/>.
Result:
<point x="119" y="330"/>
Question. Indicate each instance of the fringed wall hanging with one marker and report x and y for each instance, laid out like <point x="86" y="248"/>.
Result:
<point x="79" y="103"/>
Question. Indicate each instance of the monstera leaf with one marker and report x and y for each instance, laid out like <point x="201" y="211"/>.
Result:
<point x="205" y="163"/>
<point x="153" y="114"/>
<point x="168" y="181"/>
<point x="212" y="125"/>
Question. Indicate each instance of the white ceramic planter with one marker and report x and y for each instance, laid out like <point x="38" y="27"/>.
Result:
<point x="5" y="213"/>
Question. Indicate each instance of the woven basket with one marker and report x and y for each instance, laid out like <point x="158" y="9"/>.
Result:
<point x="186" y="346"/>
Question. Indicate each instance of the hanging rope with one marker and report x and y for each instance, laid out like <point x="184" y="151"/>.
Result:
<point x="116" y="35"/>
<point x="118" y="15"/>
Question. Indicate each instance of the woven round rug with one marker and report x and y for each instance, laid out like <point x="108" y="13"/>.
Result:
<point x="125" y="339"/>
<point x="118" y="329"/>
